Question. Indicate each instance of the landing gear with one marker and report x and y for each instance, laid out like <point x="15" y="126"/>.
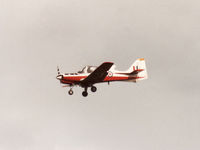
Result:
<point x="71" y="92"/>
<point x="85" y="93"/>
<point x="93" y="89"/>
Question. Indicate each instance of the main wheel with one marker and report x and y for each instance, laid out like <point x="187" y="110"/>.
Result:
<point x="93" y="89"/>
<point x="70" y="92"/>
<point x="85" y="93"/>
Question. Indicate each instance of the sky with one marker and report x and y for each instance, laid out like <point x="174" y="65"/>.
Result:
<point x="160" y="113"/>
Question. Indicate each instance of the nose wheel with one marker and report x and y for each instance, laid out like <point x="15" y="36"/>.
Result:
<point x="71" y="92"/>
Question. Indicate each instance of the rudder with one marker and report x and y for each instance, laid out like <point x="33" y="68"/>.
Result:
<point x="140" y="66"/>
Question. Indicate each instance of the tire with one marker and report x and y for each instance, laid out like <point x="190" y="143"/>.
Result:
<point x="85" y="93"/>
<point x="70" y="92"/>
<point x="93" y="89"/>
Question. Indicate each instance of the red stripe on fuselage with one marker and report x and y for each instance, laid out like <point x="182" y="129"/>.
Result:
<point x="75" y="79"/>
<point x="118" y="78"/>
<point x="65" y="82"/>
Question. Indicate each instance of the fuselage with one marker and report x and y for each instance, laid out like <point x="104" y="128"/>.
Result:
<point x="75" y="78"/>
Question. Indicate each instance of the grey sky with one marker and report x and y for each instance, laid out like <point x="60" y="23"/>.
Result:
<point x="160" y="113"/>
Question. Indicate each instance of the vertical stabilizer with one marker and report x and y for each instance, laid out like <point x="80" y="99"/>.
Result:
<point x="139" y="66"/>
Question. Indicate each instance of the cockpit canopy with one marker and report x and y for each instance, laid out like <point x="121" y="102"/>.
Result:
<point x="87" y="69"/>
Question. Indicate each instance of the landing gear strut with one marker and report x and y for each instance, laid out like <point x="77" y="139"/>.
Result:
<point x="85" y="93"/>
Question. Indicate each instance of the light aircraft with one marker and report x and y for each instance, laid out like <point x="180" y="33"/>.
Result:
<point x="106" y="72"/>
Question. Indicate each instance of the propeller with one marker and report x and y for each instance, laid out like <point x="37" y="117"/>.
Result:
<point x="59" y="76"/>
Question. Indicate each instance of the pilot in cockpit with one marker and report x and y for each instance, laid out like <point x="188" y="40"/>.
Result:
<point x="87" y="69"/>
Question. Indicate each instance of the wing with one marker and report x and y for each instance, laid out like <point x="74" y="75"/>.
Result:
<point x="98" y="74"/>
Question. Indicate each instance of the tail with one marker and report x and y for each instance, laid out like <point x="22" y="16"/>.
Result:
<point x="138" y="69"/>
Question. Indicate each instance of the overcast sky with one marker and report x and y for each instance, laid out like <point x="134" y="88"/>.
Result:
<point x="161" y="113"/>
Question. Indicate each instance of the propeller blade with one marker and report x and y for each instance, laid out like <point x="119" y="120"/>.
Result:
<point x="58" y="70"/>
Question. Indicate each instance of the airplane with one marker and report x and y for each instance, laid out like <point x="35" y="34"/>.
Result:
<point x="106" y="72"/>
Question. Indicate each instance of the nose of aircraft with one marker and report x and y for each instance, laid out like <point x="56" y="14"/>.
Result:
<point x="59" y="77"/>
